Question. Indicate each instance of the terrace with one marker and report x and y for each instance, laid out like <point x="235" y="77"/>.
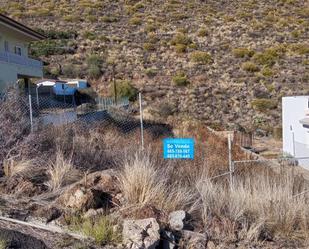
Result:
<point x="20" y="60"/>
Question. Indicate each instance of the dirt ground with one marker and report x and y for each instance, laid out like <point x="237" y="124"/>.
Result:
<point x="268" y="147"/>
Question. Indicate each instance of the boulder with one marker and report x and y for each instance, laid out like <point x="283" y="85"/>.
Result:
<point x="179" y="220"/>
<point x="83" y="199"/>
<point x="141" y="234"/>
<point x="97" y="190"/>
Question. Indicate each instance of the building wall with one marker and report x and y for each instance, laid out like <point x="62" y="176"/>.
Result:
<point x="293" y="110"/>
<point x="9" y="73"/>
<point x="14" y="39"/>
<point x="63" y="89"/>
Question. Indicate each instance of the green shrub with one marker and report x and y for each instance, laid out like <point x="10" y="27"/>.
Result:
<point x="267" y="72"/>
<point x="94" y="63"/>
<point x="202" y="32"/>
<point x="124" y="89"/>
<point x="58" y="34"/>
<point x="138" y="6"/>
<point x="179" y="16"/>
<point x="94" y="59"/>
<point x="269" y="56"/>
<point x="180" y="48"/>
<point x="71" y="18"/>
<point x="149" y="46"/>
<point x="201" y="57"/>
<point x="193" y="46"/>
<point x="264" y="104"/>
<point x="150" y="72"/>
<point x="300" y="48"/>
<point x="250" y="67"/>
<point x="100" y="229"/>
<point x="94" y="72"/>
<point x="304" y="12"/>
<point x="305" y="78"/>
<point x="242" y="52"/>
<point x="306" y="62"/>
<point x="150" y="27"/>
<point x="49" y="47"/>
<point x="109" y="19"/>
<point x="69" y="70"/>
<point x="296" y="33"/>
<point x="181" y="79"/>
<point x="180" y="38"/>
<point x="135" y="21"/>
<point x="89" y="35"/>
<point x="152" y="38"/>
<point x="91" y="18"/>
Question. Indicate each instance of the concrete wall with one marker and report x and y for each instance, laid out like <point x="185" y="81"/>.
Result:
<point x="293" y="110"/>
<point x="9" y="73"/>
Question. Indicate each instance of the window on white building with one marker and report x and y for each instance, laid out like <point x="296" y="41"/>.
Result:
<point x="17" y="50"/>
<point x="6" y="46"/>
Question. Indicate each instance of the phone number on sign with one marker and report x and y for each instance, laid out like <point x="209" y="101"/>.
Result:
<point x="179" y="151"/>
<point x="178" y="156"/>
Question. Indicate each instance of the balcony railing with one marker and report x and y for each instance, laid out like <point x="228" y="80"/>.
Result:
<point x="20" y="60"/>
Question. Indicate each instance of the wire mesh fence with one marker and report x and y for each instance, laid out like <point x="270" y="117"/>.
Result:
<point x="35" y="112"/>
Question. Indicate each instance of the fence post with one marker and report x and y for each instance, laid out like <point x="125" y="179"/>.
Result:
<point x="230" y="160"/>
<point x="141" y="118"/>
<point x="31" y="117"/>
<point x="37" y="96"/>
<point x="294" y="150"/>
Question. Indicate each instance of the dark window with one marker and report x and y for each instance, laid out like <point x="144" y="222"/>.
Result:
<point x="18" y="50"/>
<point x="6" y="46"/>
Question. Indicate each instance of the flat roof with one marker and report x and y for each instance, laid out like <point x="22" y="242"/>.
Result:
<point x="21" y="28"/>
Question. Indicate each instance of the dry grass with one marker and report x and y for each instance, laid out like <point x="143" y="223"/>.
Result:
<point x="61" y="172"/>
<point x="144" y="183"/>
<point x="18" y="167"/>
<point x="261" y="207"/>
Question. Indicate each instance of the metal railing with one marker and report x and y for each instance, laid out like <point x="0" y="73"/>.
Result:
<point x="20" y="60"/>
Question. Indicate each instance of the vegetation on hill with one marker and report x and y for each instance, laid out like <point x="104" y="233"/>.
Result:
<point x="236" y="47"/>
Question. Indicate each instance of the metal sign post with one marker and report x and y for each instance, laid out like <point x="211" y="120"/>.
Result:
<point x="31" y="117"/>
<point x="230" y="160"/>
<point x="141" y="119"/>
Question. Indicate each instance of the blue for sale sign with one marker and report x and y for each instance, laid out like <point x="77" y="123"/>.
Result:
<point x="178" y="148"/>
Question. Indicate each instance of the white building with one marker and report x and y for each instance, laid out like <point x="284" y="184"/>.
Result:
<point x="295" y="128"/>
<point x="14" y="60"/>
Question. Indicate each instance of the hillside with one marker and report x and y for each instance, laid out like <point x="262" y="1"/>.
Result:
<point x="227" y="63"/>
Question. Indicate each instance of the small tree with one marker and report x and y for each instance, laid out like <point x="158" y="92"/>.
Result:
<point x="94" y="63"/>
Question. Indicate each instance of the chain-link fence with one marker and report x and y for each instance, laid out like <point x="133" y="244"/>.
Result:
<point x="135" y="130"/>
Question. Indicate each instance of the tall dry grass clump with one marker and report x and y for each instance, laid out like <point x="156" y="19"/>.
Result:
<point x="61" y="172"/>
<point x="22" y="167"/>
<point x="260" y="207"/>
<point x="143" y="182"/>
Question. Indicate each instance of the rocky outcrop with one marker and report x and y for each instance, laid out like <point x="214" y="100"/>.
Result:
<point x="141" y="234"/>
<point x="179" y="220"/>
<point x="97" y="190"/>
